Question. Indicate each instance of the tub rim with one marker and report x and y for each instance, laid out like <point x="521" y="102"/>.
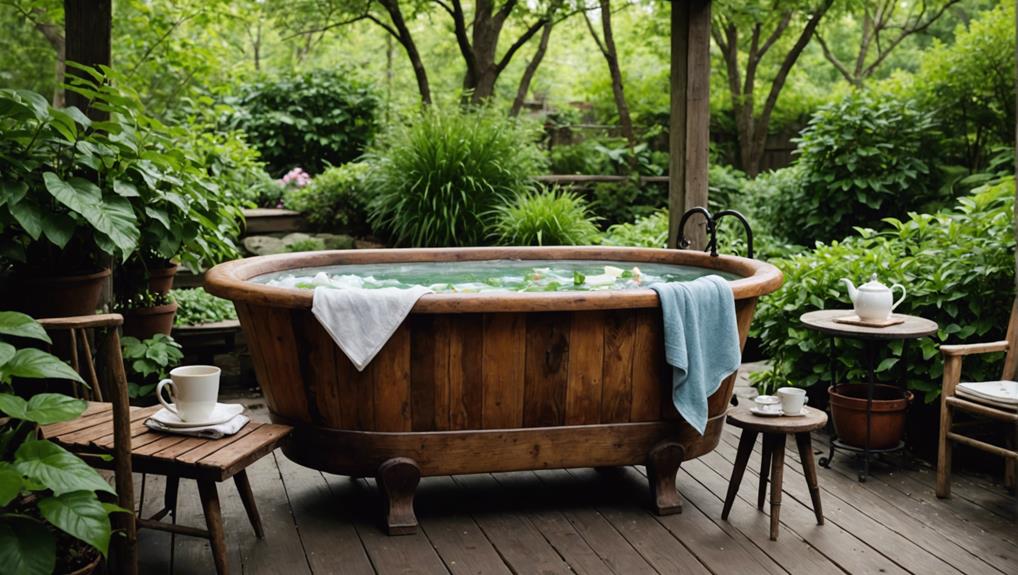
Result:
<point x="230" y="279"/>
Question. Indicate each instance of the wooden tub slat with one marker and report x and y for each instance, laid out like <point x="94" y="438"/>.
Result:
<point x="502" y="370"/>
<point x="617" y="370"/>
<point x="546" y="373"/>
<point x="586" y="362"/>
<point x="466" y="355"/>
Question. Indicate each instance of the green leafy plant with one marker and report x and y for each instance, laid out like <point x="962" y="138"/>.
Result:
<point x="647" y="231"/>
<point x="306" y="245"/>
<point x="312" y="120"/>
<point x="44" y="489"/>
<point x="141" y="299"/>
<point x="957" y="266"/>
<point x="550" y="217"/>
<point x="336" y="201"/>
<point x="197" y="307"/>
<point x="620" y="202"/>
<point x="861" y="159"/>
<point x="149" y="361"/>
<point x="438" y="179"/>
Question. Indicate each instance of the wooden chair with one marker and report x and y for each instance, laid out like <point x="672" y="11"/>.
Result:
<point x="117" y="429"/>
<point x="950" y="401"/>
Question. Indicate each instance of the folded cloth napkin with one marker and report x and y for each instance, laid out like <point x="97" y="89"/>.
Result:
<point x="359" y="320"/>
<point x="208" y="432"/>
<point x="701" y="341"/>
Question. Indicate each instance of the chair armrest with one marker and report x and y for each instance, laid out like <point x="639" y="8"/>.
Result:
<point x="83" y="321"/>
<point x="973" y="348"/>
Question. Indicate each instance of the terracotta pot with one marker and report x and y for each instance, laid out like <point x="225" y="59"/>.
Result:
<point x="60" y="296"/>
<point x="887" y="423"/>
<point x="160" y="280"/>
<point x="145" y="322"/>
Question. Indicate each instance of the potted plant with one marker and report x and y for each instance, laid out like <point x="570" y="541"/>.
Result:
<point x="51" y="519"/>
<point x="149" y="361"/>
<point x="147" y="313"/>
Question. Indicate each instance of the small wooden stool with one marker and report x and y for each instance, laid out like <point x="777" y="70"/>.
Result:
<point x="775" y="431"/>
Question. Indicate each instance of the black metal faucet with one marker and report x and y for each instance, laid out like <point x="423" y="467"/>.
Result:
<point x="712" y="229"/>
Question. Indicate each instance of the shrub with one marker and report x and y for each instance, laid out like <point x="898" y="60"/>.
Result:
<point x="578" y="159"/>
<point x="314" y="119"/>
<point x="197" y="306"/>
<point x="726" y="188"/>
<point x="649" y="231"/>
<point x="551" y="217"/>
<point x="625" y="201"/>
<point x="149" y="361"/>
<point x="306" y="245"/>
<point x="860" y="159"/>
<point x="957" y="266"/>
<point x="438" y="179"/>
<point x="335" y="201"/>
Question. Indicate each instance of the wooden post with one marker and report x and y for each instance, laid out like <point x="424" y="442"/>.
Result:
<point x="87" y="28"/>
<point x="689" y="134"/>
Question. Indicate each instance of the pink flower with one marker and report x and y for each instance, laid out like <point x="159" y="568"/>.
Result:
<point x="296" y="177"/>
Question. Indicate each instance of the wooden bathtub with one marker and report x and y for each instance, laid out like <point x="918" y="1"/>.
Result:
<point x="486" y="382"/>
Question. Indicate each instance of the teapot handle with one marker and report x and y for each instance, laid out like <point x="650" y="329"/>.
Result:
<point x="901" y="299"/>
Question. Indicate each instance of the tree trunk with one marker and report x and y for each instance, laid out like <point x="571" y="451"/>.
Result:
<point x="53" y="35"/>
<point x="479" y="81"/>
<point x="531" y="69"/>
<point x="407" y="41"/>
<point x="611" y="55"/>
<point x="87" y="27"/>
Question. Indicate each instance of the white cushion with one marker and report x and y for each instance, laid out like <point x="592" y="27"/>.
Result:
<point x="1002" y="392"/>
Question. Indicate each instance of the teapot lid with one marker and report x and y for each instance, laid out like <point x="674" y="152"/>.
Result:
<point x="873" y="285"/>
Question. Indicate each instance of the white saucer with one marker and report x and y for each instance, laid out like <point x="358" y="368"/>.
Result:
<point x="778" y="413"/>
<point x="222" y="413"/>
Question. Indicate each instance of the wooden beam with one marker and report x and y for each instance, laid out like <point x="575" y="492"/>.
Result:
<point x="87" y="30"/>
<point x="689" y="134"/>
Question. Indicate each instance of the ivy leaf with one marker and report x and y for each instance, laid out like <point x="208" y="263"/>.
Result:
<point x="37" y="364"/>
<point x="21" y="325"/>
<point x="26" y="547"/>
<point x="10" y="483"/>
<point x="58" y="469"/>
<point x="81" y="515"/>
<point x="7" y="351"/>
<point x="13" y="405"/>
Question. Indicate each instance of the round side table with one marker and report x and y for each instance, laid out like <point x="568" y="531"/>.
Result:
<point x="911" y="327"/>
<point x="775" y="432"/>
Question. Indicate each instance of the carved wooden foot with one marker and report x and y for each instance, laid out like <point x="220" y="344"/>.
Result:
<point x="662" y="465"/>
<point x="398" y="478"/>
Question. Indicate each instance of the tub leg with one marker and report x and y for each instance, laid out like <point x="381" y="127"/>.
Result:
<point x="662" y="466"/>
<point x="398" y="478"/>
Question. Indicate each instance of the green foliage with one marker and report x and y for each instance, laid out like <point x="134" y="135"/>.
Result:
<point x="625" y="201"/>
<point x="149" y="361"/>
<point x="438" y="179"/>
<point x="647" y="232"/>
<point x="970" y="86"/>
<point x="578" y="159"/>
<point x="197" y="306"/>
<point x="43" y="487"/>
<point x="141" y="299"/>
<point x="73" y="190"/>
<point x="861" y="159"/>
<point x="957" y="266"/>
<point x="312" y="120"/>
<point x="335" y="201"/>
<point x="311" y="244"/>
<point x="551" y="217"/>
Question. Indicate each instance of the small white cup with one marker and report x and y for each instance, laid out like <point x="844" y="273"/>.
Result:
<point x="768" y="403"/>
<point x="792" y="400"/>
<point x="193" y="391"/>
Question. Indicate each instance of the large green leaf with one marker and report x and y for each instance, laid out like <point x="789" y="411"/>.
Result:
<point x="58" y="469"/>
<point x="30" y="217"/>
<point x="10" y="483"/>
<point x="12" y="192"/>
<point x="58" y="228"/>
<point x="37" y="364"/>
<point x="80" y="515"/>
<point x="112" y="217"/>
<point x="27" y="547"/>
<point x="7" y="351"/>
<point x="20" y="325"/>
<point x="44" y="408"/>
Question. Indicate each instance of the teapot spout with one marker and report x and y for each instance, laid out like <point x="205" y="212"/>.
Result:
<point x="852" y="292"/>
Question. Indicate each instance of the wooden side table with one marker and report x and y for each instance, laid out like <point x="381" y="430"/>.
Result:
<point x="775" y="431"/>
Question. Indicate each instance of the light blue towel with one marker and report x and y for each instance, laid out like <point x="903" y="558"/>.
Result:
<point x="701" y="341"/>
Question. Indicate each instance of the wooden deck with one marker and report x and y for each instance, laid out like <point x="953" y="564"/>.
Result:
<point x="585" y="521"/>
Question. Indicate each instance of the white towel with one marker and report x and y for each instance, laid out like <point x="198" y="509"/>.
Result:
<point x="359" y="320"/>
<point x="207" y="432"/>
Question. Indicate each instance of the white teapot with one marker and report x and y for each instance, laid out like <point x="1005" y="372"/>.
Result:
<point x="873" y="301"/>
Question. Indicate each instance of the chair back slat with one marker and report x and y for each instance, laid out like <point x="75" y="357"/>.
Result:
<point x="1011" y="357"/>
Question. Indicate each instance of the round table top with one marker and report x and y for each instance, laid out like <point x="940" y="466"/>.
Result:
<point x="744" y="418"/>
<point x="912" y="327"/>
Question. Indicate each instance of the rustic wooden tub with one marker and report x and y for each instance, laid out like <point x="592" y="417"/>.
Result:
<point x="482" y="382"/>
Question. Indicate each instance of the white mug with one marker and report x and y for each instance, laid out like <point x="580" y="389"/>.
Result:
<point x="767" y="403"/>
<point x="193" y="391"/>
<point x="792" y="400"/>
